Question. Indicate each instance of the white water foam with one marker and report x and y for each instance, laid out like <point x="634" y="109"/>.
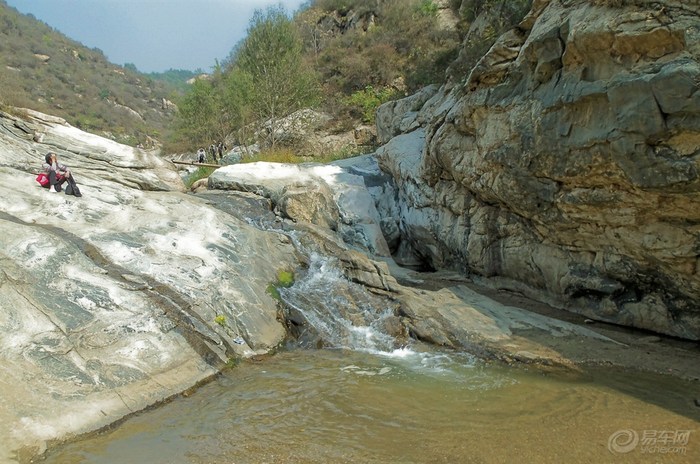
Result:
<point x="344" y="314"/>
<point x="348" y="317"/>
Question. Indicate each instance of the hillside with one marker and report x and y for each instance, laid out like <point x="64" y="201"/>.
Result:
<point x="343" y="59"/>
<point x="360" y="54"/>
<point x="42" y="69"/>
<point x="396" y="47"/>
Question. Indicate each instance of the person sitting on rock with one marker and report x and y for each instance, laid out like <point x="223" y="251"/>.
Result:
<point x="58" y="174"/>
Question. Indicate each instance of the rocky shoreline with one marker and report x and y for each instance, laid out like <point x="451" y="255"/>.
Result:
<point x="600" y="344"/>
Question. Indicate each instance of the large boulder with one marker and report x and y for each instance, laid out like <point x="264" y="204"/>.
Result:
<point x="566" y="164"/>
<point x="309" y="134"/>
<point x="122" y="298"/>
<point x="327" y="195"/>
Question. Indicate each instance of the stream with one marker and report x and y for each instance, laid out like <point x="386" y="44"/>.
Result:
<point x="365" y="397"/>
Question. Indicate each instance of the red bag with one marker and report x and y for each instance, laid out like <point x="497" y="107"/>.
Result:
<point x="43" y="179"/>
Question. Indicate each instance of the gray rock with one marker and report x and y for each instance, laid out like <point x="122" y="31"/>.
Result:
<point x="327" y="195"/>
<point x="307" y="134"/>
<point x="117" y="300"/>
<point x="400" y="116"/>
<point x="565" y="166"/>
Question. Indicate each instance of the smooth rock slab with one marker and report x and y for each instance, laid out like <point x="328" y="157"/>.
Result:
<point x="117" y="300"/>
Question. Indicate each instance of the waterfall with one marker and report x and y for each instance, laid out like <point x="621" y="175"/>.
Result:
<point x="330" y="311"/>
<point x="343" y="314"/>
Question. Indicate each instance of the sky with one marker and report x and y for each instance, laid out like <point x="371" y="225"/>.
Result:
<point x="155" y="35"/>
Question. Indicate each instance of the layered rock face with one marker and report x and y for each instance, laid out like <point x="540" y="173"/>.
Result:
<point x="566" y="164"/>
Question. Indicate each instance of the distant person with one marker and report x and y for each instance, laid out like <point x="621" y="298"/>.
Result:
<point x="220" y="150"/>
<point x="58" y="174"/>
<point x="201" y="155"/>
<point x="213" y="151"/>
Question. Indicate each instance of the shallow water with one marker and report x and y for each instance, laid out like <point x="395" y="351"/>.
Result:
<point x="337" y="406"/>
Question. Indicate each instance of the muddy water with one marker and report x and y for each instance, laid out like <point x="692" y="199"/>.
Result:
<point x="337" y="406"/>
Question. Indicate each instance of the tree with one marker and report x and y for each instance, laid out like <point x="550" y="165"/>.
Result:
<point x="202" y="115"/>
<point x="238" y="89"/>
<point x="270" y="59"/>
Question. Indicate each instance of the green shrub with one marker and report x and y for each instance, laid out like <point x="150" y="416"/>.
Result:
<point x="367" y="101"/>
<point x="221" y="320"/>
<point x="273" y="292"/>
<point x="428" y="8"/>
<point x="285" y="278"/>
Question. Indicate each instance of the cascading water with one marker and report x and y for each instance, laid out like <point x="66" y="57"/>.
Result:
<point x="327" y="310"/>
<point x="345" y="315"/>
<point x="342" y="313"/>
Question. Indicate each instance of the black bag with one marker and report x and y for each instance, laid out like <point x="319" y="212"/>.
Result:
<point x="72" y="188"/>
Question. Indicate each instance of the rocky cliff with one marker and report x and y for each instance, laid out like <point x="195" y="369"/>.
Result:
<point x="565" y="165"/>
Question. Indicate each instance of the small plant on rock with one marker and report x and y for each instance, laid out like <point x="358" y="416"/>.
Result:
<point x="285" y="279"/>
<point x="221" y="320"/>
